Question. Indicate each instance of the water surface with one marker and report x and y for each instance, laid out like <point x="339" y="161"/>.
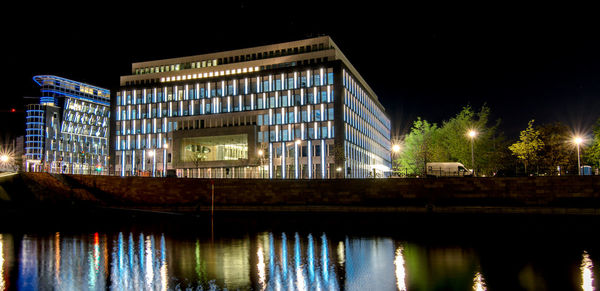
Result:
<point x="301" y="252"/>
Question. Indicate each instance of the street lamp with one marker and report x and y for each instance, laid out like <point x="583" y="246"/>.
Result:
<point x="260" y="169"/>
<point x="395" y="151"/>
<point x="578" y="140"/>
<point x="472" y="134"/>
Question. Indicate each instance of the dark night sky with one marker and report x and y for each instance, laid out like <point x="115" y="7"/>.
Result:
<point x="524" y="62"/>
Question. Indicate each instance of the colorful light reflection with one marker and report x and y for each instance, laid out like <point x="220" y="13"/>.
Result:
<point x="587" y="275"/>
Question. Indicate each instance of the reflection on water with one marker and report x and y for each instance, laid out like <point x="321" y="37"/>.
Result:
<point x="303" y="265"/>
<point x="259" y="261"/>
<point x="400" y="270"/>
<point x="2" y="280"/>
<point x="587" y="276"/>
<point x="478" y="283"/>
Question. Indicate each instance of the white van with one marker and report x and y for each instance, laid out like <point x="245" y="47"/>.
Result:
<point x="448" y="169"/>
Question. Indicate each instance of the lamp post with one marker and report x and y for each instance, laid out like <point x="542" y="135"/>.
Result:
<point x="395" y="151"/>
<point x="578" y="140"/>
<point x="472" y="135"/>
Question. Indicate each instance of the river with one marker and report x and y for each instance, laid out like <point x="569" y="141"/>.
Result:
<point x="298" y="252"/>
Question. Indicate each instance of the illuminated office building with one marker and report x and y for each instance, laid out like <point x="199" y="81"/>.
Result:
<point x="67" y="131"/>
<point x="295" y="110"/>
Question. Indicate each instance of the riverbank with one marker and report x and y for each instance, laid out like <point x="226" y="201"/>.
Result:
<point x="570" y="195"/>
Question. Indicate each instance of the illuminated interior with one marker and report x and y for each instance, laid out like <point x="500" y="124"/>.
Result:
<point x="214" y="148"/>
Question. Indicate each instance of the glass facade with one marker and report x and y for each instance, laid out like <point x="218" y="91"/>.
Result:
<point x="68" y="132"/>
<point x="367" y="132"/>
<point x="295" y="118"/>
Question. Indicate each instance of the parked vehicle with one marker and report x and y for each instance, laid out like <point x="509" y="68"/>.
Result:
<point x="448" y="169"/>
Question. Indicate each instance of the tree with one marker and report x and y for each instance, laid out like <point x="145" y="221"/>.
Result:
<point x="592" y="154"/>
<point x="556" y="151"/>
<point x="197" y="154"/>
<point x="488" y="145"/>
<point x="529" y="146"/>
<point x="420" y="147"/>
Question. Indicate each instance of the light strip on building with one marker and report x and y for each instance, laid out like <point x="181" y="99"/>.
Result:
<point x="270" y="83"/>
<point x="309" y="164"/>
<point x="283" y="154"/>
<point x="315" y="95"/>
<point x="164" y="162"/>
<point x="134" y="97"/>
<point x="323" y="158"/>
<point x="301" y="96"/>
<point x="153" y="163"/>
<point x="295" y="114"/>
<point x="132" y="162"/>
<point x="122" y="163"/>
<point x="270" y="160"/>
<point x="295" y="80"/>
<point x="328" y="93"/>
<point x="322" y="78"/>
<point x="296" y="166"/>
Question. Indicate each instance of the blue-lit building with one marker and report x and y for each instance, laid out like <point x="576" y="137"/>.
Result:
<point x="294" y="110"/>
<point x="68" y="130"/>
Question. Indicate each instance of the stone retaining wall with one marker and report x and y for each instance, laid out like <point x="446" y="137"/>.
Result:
<point x="444" y="194"/>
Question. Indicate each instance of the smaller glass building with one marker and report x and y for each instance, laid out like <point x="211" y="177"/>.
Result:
<point x="68" y="131"/>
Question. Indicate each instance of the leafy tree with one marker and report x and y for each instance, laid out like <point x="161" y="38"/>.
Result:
<point x="420" y="147"/>
<point x="529" y="145"/>
<point x="488" y="144"/>
<point x="556" y="151"/>
<point x="592" y="154"/>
